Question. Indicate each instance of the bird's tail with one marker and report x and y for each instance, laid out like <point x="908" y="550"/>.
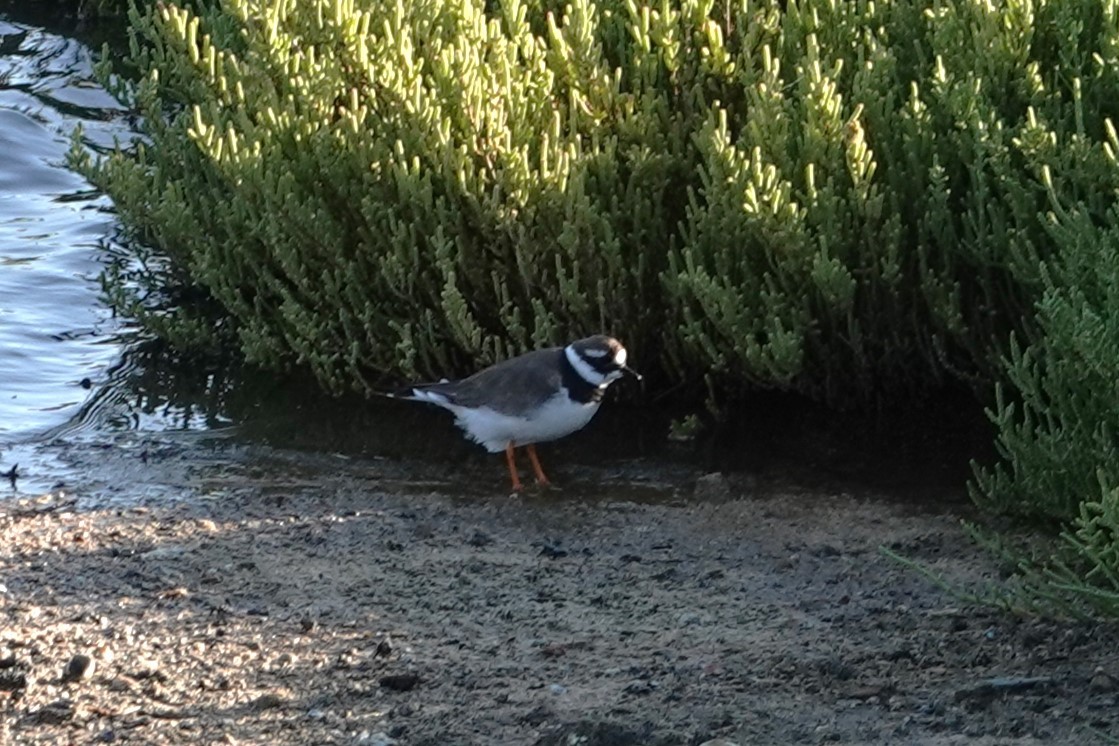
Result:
<point x="419" y="392"/>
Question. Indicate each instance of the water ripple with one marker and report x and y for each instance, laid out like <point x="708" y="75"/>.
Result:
<point x="56" y="339"/>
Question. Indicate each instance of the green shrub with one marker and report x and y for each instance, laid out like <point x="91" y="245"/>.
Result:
<point x="884" y="200"/>
<point x="836" y="198"/>
<point x="1058" y="416"/>
<point x="404" y="188"/>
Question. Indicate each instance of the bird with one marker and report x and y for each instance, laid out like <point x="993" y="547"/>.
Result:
<point x="535" y="397"/>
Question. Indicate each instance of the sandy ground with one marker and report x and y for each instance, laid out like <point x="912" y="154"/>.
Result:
<point x="198" y="593"/>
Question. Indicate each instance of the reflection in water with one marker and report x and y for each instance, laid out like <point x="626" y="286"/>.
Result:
<point x="53" y="332"/>
<point x="141" y="391"/>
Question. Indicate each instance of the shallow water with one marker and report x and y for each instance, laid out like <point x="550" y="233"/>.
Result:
<point x="56" y="340"/>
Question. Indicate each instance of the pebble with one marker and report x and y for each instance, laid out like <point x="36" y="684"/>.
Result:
<point x="641" y="687"/>
<point x="1101" y="682"/>
<point x="1001" y="684"/>
<point x="400" y="682"/>
<point x="538" y="715"/>
<point x="268" y="701"/>
<point x="284" y="660"/>
<point x="692" y="619"/>
<point x="479" y="539"/>
<point x="55" y="713"/>
<point x="713" y="487"/>
<point x="12" y="680"/>
<point x="156" y="690"/>
<point x="164" y="553"/>
<point x="146" y="668"/>
<point x="124" y="683"/>
<point x="866" y="691"/>
<point x="79" y="667"/>
<point x="403" y="710"/>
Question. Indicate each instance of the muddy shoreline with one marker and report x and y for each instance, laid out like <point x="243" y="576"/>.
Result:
<point x="199" y="592"/>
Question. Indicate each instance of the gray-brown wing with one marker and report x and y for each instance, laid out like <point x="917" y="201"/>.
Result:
<point x="512" y="386"/>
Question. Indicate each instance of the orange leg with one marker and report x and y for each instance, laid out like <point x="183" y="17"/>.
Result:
<point x="509" y="459"/>
<point x="540" y="477"/>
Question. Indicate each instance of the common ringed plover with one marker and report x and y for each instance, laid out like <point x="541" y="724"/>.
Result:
<point x="538" y="396"/>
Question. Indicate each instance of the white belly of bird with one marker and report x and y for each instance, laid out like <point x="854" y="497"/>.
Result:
<point x="559" y="416"/>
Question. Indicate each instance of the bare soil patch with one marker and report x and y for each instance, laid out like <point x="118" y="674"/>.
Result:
<point x="195" y="594"/>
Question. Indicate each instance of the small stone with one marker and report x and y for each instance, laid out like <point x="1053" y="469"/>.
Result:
<point x="866" y="691"/>
<point x="537" y="716"/>
<point x="641" y="687"/>
<point x="56" y="713"/>
<point x="551" y="552"/>
<point x="306" y="624"/>
<point x="79" y="667"/>
<point x="146" y="668"/>
<point x="713" y="487"/>
<point x="168" y="552"/>
<point x="1101" y="682"/>
<point x="124" y="683"/>
<point x="989" y="688"/>
<point x="12" y="680"/>
<point x="268" y="701"/>
<point x="384" y="649"/>
<point x="155" y="689"/>
<point x="400" y="682"/>
<point x="403" y="710"/>
<point x="479" y="539"/>
<point x="692" y="619"/>
<point x="285" y="660"/>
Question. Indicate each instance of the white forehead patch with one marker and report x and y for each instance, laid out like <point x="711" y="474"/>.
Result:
<point x="594" y="352"/>
<point x="620" y="356"/>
